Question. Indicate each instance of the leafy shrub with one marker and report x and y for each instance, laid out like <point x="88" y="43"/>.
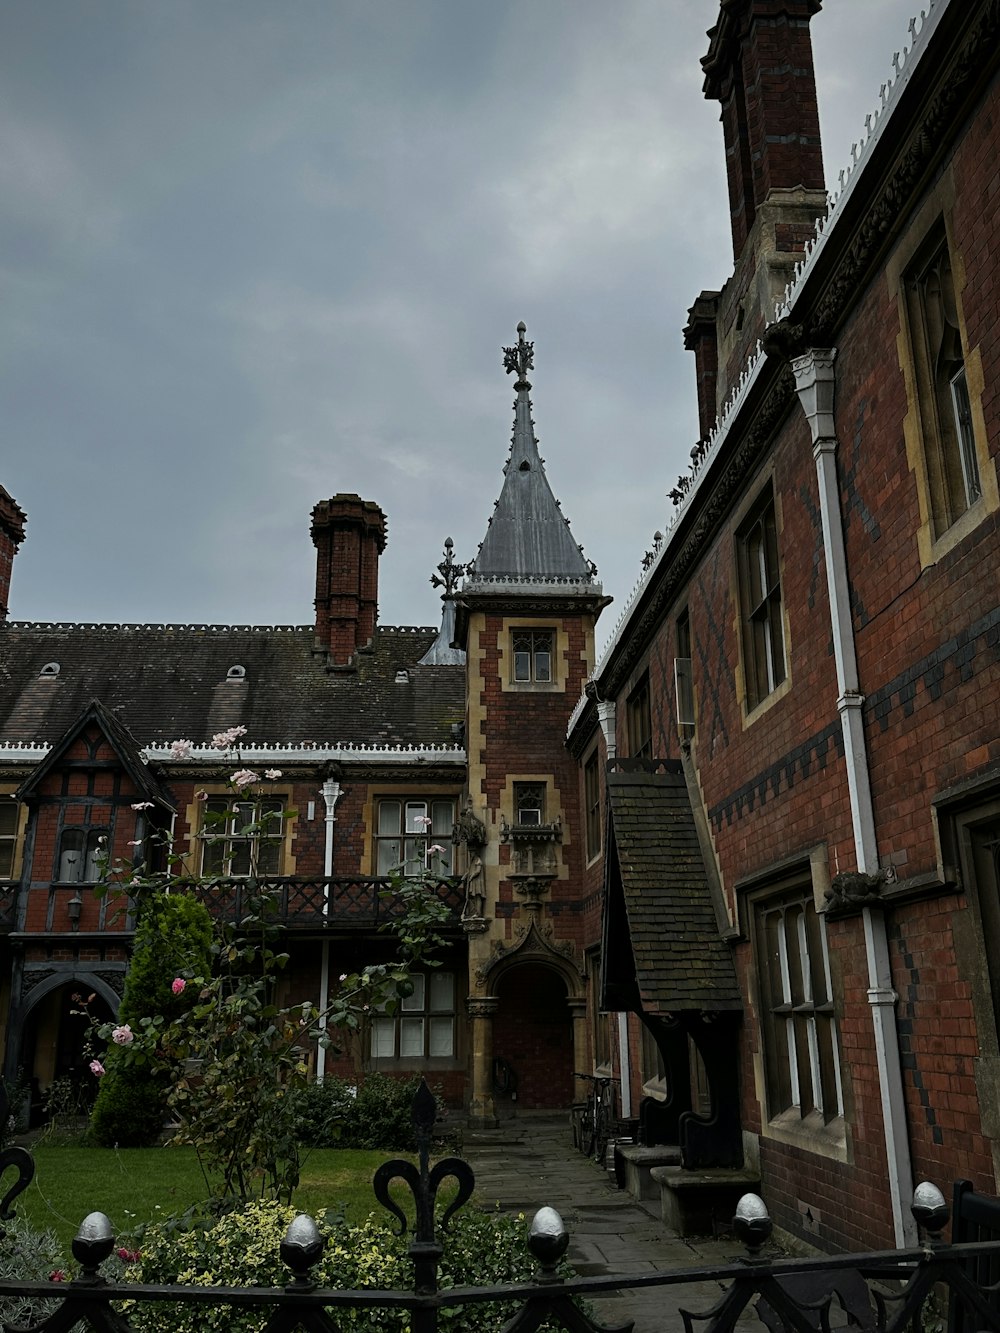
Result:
<point x="241" y="1249"/>
<point x="174" y="936"/>
<point x="379" y="1114"/>
<point x="27" y="1255"/>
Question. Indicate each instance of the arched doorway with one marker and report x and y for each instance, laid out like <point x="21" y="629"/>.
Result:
<point x="533" y="1038"/>
<point x="55" y="1047"/>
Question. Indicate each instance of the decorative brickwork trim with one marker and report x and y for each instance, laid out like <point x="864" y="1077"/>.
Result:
<point x="796" y="764"/>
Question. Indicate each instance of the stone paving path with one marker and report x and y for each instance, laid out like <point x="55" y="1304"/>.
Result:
<point x="531" y="1162"/>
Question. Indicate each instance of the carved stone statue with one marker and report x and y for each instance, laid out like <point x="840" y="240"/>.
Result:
<point x="475" y="892"/>
<point x="470" y="830"/>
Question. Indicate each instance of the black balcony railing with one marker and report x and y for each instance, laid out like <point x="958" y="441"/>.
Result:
<point x="895" y="1291"/>
<point x="317" y="904"/>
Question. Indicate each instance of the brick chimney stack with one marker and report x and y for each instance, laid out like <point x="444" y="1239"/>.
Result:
<point x="349" y="536"/>
<point x="701" y="337"/>
<point x="12" y="520"/>
<point x="760" y="67"/>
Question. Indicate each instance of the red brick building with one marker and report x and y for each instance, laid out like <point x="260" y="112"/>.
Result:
<point x="372" y="730"/>
<point x="749" y="859"/>
<point x="801" y="701"/>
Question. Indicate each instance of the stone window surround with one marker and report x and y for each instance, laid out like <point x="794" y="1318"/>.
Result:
<point x="936" y="209"/>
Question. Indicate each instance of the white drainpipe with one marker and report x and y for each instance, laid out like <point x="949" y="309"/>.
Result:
<point x="815" y="382"/>
<point x="331" y="795"/>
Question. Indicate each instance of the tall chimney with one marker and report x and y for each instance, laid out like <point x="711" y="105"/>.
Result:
<point x="760" y="67"/>
<point x="701" y="337"/>
<point x="12" y="520"/>
<point x="349" y="536"/>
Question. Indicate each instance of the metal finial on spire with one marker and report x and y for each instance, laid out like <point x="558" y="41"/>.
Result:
<point x="449" y="570"/>
<point x="520" y="358"/>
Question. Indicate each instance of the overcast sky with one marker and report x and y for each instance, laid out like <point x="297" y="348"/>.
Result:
<point x="255" y="252"/>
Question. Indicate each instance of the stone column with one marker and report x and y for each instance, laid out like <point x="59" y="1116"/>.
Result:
<point x="482" y="1111"/>
<point x="581" y="1057"/>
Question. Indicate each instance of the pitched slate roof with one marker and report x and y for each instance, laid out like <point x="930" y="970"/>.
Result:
<point x="528" y="537"/>
<point x="166" y="682"/>
<point x="663" y="950"/>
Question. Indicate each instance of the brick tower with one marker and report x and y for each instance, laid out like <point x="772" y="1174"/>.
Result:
<point x="526" y="616"/>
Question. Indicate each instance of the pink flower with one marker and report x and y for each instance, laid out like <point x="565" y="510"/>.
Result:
<point x="436" y="848"/>
<point x="96" y="1068"/>
<point x="423" y="821"/>
<point x="201" y="796"/>
<point x="343" y="976"/>
<point x="222" y="740"/>
<point x="244" y="777"/>
<point x="181" y="749"/>
<point x="57" y="1275"/>
<point x="177" y="985"/>
<point x="272" y="773"/>
<point x="123" y="1036"/>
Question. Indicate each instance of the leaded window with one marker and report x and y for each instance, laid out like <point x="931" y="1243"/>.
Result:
<point x="423" y="1027"/>
<point x="532" y="656"/>
<point x="799" y="1028"/>
<point x="242" y="837"/>
<point x="414" y="833"/>
<point x="760" y="602"/>
<point x="942" y="388"/>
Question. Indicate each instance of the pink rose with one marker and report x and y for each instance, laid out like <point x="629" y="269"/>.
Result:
<point x="244" y="777"/>
<point x="181" y="749"/>
<point x="201" y="796"/>
<point x="177" y="985"/>
<point x="272" y="773"/>
<point x="123" y="1036"/>
<point x="96" y="1068"/>
<point x="436" y="848"/>
<point x="222" y="740"/>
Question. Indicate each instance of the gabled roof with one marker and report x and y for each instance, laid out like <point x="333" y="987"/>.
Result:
<point x="171" y="682"/>
<point x="663" y="953"/>
<point x="527" y="537"/>
<point x="121" y="740"/>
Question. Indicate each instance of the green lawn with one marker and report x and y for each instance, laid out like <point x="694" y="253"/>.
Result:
<point x="135" y="1185"/>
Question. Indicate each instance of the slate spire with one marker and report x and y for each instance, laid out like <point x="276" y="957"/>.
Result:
<point x="528" y="537"/>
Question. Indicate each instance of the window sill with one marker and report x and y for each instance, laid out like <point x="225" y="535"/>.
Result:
<point x="767" y="703"/>
<point x="810" y="1133"/>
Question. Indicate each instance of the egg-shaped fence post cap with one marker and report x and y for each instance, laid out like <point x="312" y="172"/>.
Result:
<point x="302" y="1247"/>
<point x="930" y="1208"/>
<point x="548" y="1239"/>
<point x="752" y="1222"/>
<point x="93" y="1242"/>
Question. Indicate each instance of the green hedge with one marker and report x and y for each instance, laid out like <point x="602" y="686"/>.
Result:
<point x="378" y="1114"/>
<point x="173" y="938"/>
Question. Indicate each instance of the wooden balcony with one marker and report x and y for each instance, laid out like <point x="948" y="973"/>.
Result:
<point x="340" y="903"/>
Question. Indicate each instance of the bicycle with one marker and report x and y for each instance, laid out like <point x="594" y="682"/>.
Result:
<point x="592" y="1131"/>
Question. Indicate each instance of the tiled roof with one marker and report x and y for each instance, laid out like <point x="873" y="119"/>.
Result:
<point x="166" y="682"/>
<point x="528" y="536"/>
<point x="659" y="899"/>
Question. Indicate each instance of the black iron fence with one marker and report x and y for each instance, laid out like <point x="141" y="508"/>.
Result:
<point x="884" y="1292"/>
